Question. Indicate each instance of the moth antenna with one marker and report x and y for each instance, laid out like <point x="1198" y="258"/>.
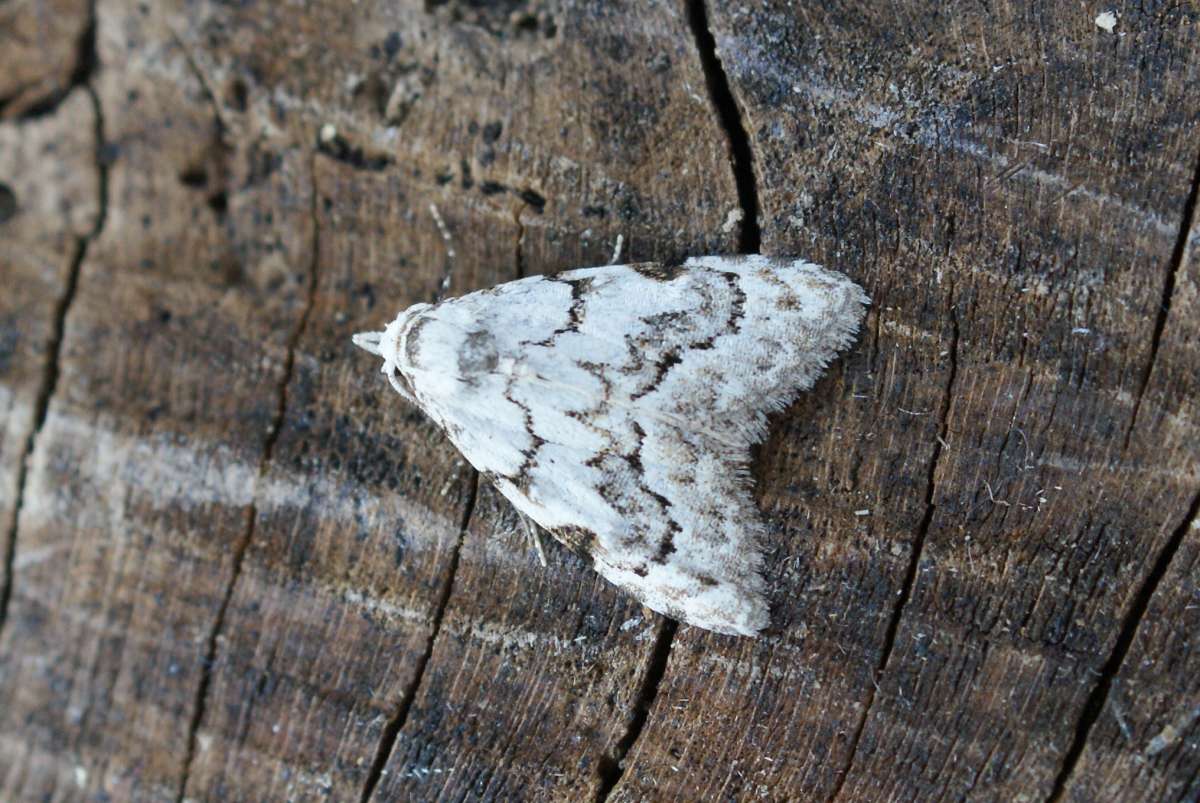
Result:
<point x="444" y="286"/>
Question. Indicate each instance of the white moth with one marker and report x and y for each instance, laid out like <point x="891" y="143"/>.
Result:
<point x="616" y="407"/>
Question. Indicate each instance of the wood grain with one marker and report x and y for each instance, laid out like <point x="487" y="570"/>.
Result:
<point x="1140" y="727"/>
<point x="47" y="47"/>
<point x="49" y="206"/>
<point x="1009" y="186"/>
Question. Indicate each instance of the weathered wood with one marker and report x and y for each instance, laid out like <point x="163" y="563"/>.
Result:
<point x="1010" y="182"/>
<point x="1143" y="737"/>
<point x="533" y="679"/>
<point x="46" y="47"/>
<point x="243" y="569"/>
<point x="136" y="499"/>
<point x="49" y="204"/>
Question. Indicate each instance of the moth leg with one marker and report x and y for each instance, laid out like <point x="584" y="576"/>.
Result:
<point x="534" y="534"/>
<point x="616" y="257"/>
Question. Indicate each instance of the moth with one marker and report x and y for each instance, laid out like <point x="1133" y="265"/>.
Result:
<point x="616" y="407"/>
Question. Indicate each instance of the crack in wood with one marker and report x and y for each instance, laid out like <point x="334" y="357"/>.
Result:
<point x="910" y="577"/>
<point x="1098" y="698"/>
<point x="243" y="543"/>
<point x="610" y="767"/>
<point x="730" y="117"/>
<point x="1189" y="224"/>
<point x="749" y="239"/>
<point x="50" y="374"/>
<point x="201" y="77"/>
<point x="1133" y="618"/>
<point x="391" y="731"/>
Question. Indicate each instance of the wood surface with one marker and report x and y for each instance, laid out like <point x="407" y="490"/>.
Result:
<point x="236" y="566"/>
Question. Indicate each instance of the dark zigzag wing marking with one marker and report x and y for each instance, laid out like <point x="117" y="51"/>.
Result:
<point x="673" y="357"/>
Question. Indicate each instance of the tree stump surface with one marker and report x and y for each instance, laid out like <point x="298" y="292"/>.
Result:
<point x="237" y="567"/>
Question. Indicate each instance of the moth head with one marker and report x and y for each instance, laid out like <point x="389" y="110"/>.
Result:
<point x="434" y="353"/>
<point x="390" y="345"/>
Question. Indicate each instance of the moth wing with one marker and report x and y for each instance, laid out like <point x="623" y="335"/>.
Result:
<point x="616" y="407"/>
